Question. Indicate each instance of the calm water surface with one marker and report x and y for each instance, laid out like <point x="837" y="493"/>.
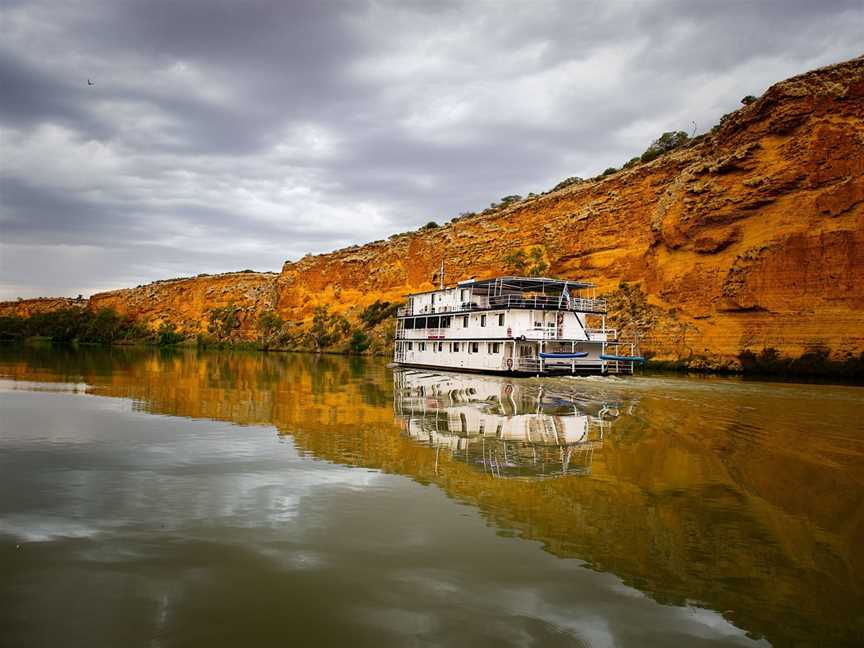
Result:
<point x="178" y="499"/>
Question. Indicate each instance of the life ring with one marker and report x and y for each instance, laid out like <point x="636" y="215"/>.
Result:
<point x="508" y="389"/>
<point x="510" y="367"/>
<point x="560" y="318"/>
<point x="509" y="332"/>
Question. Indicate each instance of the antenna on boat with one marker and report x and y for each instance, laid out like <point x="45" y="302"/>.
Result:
<point x="441" y="275"/>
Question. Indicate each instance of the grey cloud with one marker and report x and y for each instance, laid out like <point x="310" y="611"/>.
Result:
<point x="261" y="131"/>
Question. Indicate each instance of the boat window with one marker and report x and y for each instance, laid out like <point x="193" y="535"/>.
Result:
<point x="494" y="347"/>
<point x="420" y="323"/>
<point x="440" y="346"/>
<point x="410" y="346"/>
<point x="500" y="319"/>
<point x="465" y="322"/>
<point x="445" y="322"/>
<point x="433" y="322"/>
<point x="454" y="347"/>
<point x="463" y="295"/>
<point x="474" y="347"/>
<point x="421" y="346"/>
<point x="482" y="320"/>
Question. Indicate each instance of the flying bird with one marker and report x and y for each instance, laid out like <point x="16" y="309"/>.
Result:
<point x="89" y="82"/>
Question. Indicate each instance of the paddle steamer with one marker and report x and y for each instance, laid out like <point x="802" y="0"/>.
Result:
<point x="511" y="325"/>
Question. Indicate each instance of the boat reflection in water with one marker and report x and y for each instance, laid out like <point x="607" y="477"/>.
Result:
<point x="508" y="428"/>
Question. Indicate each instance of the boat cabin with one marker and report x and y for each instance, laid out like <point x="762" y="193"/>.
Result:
<point x="533" y="325"/>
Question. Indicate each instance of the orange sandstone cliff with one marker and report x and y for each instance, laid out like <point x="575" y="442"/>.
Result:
<point x="187" y="303"/>
<point x="748" y="238"/>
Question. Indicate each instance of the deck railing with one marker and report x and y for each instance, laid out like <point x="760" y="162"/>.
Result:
<point x="532" y="333"/>
<point x="545" y="302"/>
<point x="538" y="302"/>
<point x="539" y="333"/>
<point x="594" y="334"/>
<point x="402" y="311"/>
<point x="527" y="364"/>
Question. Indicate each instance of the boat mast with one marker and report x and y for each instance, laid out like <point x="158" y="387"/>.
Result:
<point x="441" y="275"/>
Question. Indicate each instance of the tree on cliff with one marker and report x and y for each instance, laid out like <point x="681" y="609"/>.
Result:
<point x="666" y="142"/>
<point x="516" y="262"/>
<point x="223" y="321"/>
<point x="104" y="328"/>
<point x="271" y="329"/>
<point x="532" y="264"/>
<point x="538" y="263"/>
<point x="572" y="180"/>
<point x="327" y="329"/>
<point x="377" y="312"/>
<point x="359" y="341"/>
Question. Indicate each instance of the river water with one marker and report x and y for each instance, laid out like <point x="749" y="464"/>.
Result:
<point x="176" y="498"/>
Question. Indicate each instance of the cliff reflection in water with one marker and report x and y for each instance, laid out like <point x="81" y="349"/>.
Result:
<point x="744" y="498"/>
<point x="505" y="427"/>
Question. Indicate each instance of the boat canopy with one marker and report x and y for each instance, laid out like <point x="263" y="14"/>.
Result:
<point x="511" y="285"/>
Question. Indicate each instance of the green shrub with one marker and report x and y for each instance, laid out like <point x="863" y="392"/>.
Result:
<point x="105" y="327"/>
<point x="72" y="325"/>
<point x="377" y="312"/>
<point x="359" y="341"/>
<point x="749" y="99"/>
<point x="430" y="226"/>
<point x="722" y="121"/>
<point x="538" y="263"/>
<point x="167" y="335"/>
<point x="516" y="262"/>
<point x="12" y="327"/>
<point x="666" y="142"/>
<point x="327" y="329"/>
<point x="532" y="264"/>
<point x="567" y="182"/>
<point x="223" y="321"/>
<point x="270" y="328"/>
<point x="813" y="362"/>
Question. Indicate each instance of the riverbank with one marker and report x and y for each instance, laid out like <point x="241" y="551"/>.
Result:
<point x="813" y="368"/>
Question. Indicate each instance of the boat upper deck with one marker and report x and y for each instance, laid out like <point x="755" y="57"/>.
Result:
<point x="535" y="293"/>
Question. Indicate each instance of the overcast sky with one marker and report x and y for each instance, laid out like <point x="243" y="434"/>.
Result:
<point x="224" y="135"/>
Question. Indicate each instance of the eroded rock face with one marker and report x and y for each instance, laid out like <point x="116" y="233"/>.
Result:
<point x="186" y="303"/>
<point x="28" y="307"/>
<point x="750" y="238"/>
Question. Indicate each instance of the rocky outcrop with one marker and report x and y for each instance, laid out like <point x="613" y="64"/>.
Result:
<point x="188" y="303"/>
<point x="29" y="307"/>
<point x="749" y="238"/>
